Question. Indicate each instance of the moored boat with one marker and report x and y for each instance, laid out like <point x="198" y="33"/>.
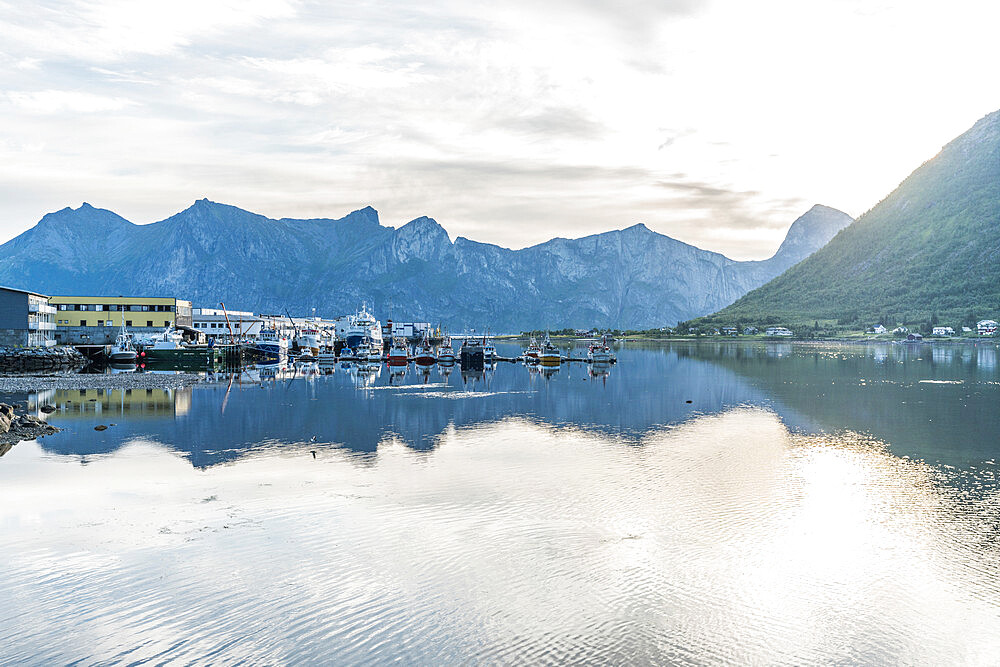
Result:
<point x="599" y="351"/>
<point x="534" y="350"/>
<point x="549" y="354"/>
<point x="270" y="344"/>
<point x="445" y="352"/>
<point x="489" y="349"/>
<point x="425" y="352"/>
<point x="360" y="326"/>
<point x="470" y="355"/>
<point x="399" y="354"/>
<point x="123" y="351"/>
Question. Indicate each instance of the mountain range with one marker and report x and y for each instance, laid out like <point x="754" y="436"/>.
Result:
<point x="927" y="253"/>
<point x="210" y="252"/>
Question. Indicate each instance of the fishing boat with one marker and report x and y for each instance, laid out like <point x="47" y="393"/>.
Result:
<point x="123" y="351"/>
<point x="164" y="346"/>
<point x="425" y="352"/>
<point x="549" y="354"/>
<point x="533" y="352"/>
<point x="445" y="352"/>
<point x="599" y="352"/>
<point x="307" y="341"/>
<point x="362" y="325"/>
<point x="470" y="355"/>
<point x="369" y="350"/>
<point x="489" y="349"/>
<point x="399" y="354"/>
<point x="270" y="344"/>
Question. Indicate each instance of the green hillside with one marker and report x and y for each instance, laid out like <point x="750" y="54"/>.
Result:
<point x="928" y="251"/>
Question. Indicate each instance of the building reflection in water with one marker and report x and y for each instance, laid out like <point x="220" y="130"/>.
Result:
<point x="132" y="403"/>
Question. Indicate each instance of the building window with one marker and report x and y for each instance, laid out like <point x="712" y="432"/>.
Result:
<point x="62" y="306"/>
<point x="98" y="307"/>
<point x="128" y="323"/>
<point x="111" y="306"/>
<point x="83" y="323"/>
<point x="166" y="324"/>
<point x="145" y="308"/>
<point x="149" y="323"/>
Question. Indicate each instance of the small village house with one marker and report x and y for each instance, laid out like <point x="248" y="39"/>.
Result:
<point x="986" y="327"/>
<point x="943" y="331"/>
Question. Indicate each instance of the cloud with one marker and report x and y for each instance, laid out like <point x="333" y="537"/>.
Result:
<point x="58" y="101"/>
<point x="509" y="122"/>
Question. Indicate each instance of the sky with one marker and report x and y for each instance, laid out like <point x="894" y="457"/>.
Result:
<point x="510" y="122"/>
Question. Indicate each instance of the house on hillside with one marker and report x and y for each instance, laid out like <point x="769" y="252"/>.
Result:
<point x="878" y="330"/>
<point x="750" y="331"/>
<point x="966" y="330"/>
<point x="943" y="331"/>
<point x="777" y="331"/>
<point x="729" y="331"/>
<point x="900" y="330"/>
<point x="986" y="327"/>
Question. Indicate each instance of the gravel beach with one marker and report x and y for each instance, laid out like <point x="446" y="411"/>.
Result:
<point x="19" y="383"/>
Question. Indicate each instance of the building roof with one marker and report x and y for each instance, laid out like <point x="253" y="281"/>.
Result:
<point x="23" y="291"/>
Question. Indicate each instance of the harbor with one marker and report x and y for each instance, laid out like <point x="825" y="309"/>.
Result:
<point x="220" y="340"/>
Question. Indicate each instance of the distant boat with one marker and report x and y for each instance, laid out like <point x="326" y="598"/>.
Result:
<point x="270" y="344"/>
<point x="369" y="350"/>
<point x="470" y="355"/>
<point x="533" y="352"/>
<point x="308" y="341"/>
<point x="399" y="354"/>
<point x="446" y="353"/>
<point x="362" y="325"/>
<point x="425" y="352"/>
<point x="599" y="351"/>
<point x="123" y="351"/>
<point x="549" y="355"/>
<point x="489" y="349"/>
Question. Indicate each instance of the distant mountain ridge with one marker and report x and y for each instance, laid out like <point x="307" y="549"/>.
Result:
<point x="214" y="252"/>
<point x="927" y="253"/>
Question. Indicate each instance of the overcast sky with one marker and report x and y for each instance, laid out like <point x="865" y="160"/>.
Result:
<point x="717" y="123"/>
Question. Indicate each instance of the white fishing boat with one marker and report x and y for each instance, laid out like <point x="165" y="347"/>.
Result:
<point x="123" y="351"/>
<point x="533" y="352"/>
<point x="445" y="352"/>
<point x="307" y="340"/>
<point x="489" y="349"/>
<point x="599" y="352"/>
<point x="369" y="350"/>
<point x="363" y="325"/>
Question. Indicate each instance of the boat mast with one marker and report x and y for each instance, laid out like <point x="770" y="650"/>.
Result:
<point x="231" y="336"/>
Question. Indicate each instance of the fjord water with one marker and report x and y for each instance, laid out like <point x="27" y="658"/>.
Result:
<point x="698" y="503"/>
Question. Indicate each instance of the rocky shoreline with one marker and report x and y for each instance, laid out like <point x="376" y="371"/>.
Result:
<point x="40" y="359"/>
<point x="14" y="428"/>
<point x="39" y="382"/>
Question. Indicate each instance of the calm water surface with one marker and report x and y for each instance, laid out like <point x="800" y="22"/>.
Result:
<point x="698" y="503"/>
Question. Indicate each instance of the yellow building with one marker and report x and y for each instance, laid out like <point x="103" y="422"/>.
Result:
<point x="110" y="311"/>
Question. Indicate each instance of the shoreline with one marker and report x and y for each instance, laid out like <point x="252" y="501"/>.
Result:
<point x="40" y="382"/>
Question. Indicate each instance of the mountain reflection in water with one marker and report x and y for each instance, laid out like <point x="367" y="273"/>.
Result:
<point x="927" y="402"/>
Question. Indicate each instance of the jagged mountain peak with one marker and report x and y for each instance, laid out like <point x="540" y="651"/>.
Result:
<point x="211" y="252"/>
